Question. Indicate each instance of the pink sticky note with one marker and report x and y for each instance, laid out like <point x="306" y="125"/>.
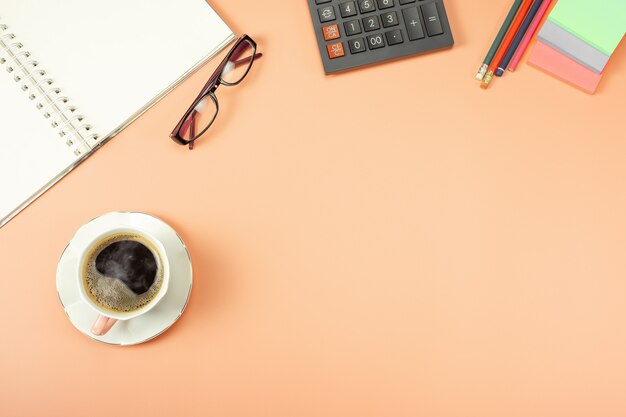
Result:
<point x="561" y="66"/>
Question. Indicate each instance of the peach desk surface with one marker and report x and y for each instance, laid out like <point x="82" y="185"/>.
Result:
<point x="368" y="244"/>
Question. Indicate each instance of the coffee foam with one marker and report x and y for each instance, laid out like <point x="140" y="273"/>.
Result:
<point x="111" y="293"/>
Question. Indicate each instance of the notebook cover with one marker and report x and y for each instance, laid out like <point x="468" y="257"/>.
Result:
<point x="601" y="24"/>
<point x="575" y="48"/>
<point x="561" y="66"/>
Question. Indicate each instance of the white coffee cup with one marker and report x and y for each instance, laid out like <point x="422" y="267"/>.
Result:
<point x="108" y="318"/>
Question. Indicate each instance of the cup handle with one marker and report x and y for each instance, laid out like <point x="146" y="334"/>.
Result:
<point x="102" y="325"/>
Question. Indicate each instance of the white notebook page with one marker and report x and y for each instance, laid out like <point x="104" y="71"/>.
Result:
<point x="31" y="153"/>
<point x="111" y="57"/>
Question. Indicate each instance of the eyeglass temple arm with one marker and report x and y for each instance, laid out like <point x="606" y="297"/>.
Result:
<point x="190" y="124"/>
<point x="192" y="128"/>
<point x="247" y="59"/>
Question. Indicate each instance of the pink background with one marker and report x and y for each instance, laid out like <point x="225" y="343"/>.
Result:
<point x="392" y="241"/>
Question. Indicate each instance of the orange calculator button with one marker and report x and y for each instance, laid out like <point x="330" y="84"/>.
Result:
<point x="335" y="50"/>
<point x="331" y="32"/>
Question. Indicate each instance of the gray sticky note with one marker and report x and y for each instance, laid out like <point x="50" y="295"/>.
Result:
<point x="572" y="46"/>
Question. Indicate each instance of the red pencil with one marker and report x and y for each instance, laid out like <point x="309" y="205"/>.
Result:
<point x="504" y="46"/>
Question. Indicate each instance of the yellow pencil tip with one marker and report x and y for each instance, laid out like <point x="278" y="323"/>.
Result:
<point x="486" y="80"/>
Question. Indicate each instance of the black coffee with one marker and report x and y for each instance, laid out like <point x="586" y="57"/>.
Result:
<point x="123" y="272"/>
<point x="129" y="261"/>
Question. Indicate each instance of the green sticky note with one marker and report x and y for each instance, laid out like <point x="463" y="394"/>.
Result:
<point x="600" y="23"/>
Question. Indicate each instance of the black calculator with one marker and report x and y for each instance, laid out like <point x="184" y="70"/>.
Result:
<point x="354" y="33"/>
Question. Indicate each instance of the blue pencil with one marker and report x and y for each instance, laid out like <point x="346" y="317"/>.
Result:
<point x="518" y="38"/>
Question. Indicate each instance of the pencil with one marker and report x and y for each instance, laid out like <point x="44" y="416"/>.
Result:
<point x="506" y="42"/>
<point x="529" y="35"/>
<point x="498" y="40"/>
<point x="518" y="38"/>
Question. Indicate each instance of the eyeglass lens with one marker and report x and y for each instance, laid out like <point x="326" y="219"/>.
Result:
<point x="238" y="64"/>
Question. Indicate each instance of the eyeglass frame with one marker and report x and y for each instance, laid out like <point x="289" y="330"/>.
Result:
<point x="209" y="90"/>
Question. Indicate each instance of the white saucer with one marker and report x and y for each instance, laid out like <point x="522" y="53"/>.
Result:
<point x="142" y="328"/>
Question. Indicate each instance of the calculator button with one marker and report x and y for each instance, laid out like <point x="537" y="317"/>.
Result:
<point x="406" y="2"/>
<point x="321" y="1"/>
<point x="431" y="18"/>
<point x="352" y="27"/>
<point x="385" y="4"/>
<point x="394" y="37"/>
<point x="413" y="23"/>
<point x="371" y="23"/>
<point x="389" y="19"/>
<point x="375" y="41"/>
<point x="357" y="45"/>
<point x="335" y="50"/>
<point x="331" y="32"/>
<point x="326" y="14"/>
<point x="366" y="6"/>
<point x="347" y="9"/>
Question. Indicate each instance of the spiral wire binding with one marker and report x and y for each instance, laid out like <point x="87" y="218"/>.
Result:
<point x="64" y="117"/>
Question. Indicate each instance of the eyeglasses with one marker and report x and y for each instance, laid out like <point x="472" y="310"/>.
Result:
<point x="203" y="111"/>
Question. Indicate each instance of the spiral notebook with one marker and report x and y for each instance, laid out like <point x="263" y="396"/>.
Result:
<point x="74" y="73"/>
